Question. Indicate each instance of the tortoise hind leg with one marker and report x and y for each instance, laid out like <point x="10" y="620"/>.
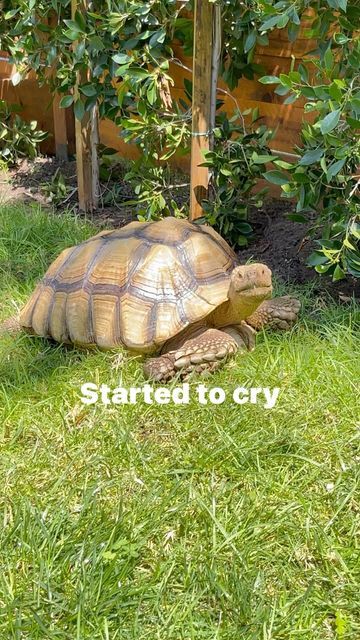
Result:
<point x="277" y="313"/>
<point x="202" y="354"/>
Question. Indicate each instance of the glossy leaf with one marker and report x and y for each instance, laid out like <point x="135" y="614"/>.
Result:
<point x="276" y="177"/>
<point x="330" y="121"/>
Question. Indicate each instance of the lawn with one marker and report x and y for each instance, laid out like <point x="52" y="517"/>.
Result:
<point x="176" y="522"/>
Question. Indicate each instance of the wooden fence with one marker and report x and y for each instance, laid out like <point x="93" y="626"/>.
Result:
<point x="275" y="58"/>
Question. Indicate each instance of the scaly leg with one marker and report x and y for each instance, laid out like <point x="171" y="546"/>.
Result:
<point x="203" y="353"/>
<point x="277" y="313"/>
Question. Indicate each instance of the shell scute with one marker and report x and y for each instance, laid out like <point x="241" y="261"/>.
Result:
<point x="137" y="286"/>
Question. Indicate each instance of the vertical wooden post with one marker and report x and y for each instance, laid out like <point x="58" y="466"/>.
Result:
<point x="201" y="103"/>
<point x="60" y="130"/>
<point x="86" y="139"/>
<point x="59" y="114"/>
<point x="215" y="62"/>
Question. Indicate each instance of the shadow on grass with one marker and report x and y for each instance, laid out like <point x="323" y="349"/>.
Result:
<point x="26" y="360"/>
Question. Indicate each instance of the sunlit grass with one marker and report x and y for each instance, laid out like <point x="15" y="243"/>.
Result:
<point x="176" y="522"/>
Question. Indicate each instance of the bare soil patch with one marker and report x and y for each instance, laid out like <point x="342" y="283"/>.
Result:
<point x="285" y="245"/>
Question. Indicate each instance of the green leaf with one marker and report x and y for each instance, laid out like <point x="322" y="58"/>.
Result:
<point x="261" y="159"/>
<point x="122" y="70"/>
<point x="355" y="105"/>
<point x="338" y="273"/>
<point x="341" y="38"/>
<point x="310" y="157"/>
<point x="296" y="217"/>
<point x="334" y="169"/>
<point x="328" y="59"/>
<point x="157" y="37"/>
<point x="121" y="58"/>
<point x="137" y="74"/>
<point x="335" y="91"/>
<point x="308" y="92"/>
<point x="321" y="92"/>
<point x="354" y="124"/>
<point x="282" y="21"/>
<point x="285" y="80"/>
<point x="330" y="121"/>
<point x="276" y="177"/>
<point x="88" y="90"/>
<point x="79" y="51"/>
<point x="250" y="41"/>
<point x="79" y="109"/>
<point x="295" y="76"/>
<point x="347" y="243"/>
<point x="304" y="74"/>
<point x="122" y="90"/>
<point x="291" y="99"/>
<point x="323" y="268"/>
<point x="10" y="14"/>
<point x="242" y="241"/>
<point x="80" y="20"/>
<point x="316" y="258"/>
<point x="96" y="44"/>
<point x="73" y="26"/>
<point x="255" y="114"/>
<point x="66" y="101"/>
<point x="293" y="31"/>
<point x="281" y="90"/>
<point x="269" y="80"/>
<point x="270" y="23"/>
<point x="151" y="94"/>
<point x="282" y="163"/>
<point x="355" y="230"/>
<point x="70" y="34"/>
<point x="244" y="227"/>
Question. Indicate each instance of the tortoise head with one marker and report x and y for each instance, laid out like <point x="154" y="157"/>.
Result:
<point x="250" y="284"/>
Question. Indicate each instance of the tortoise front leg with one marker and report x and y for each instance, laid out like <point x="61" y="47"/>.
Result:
<point x="277" y="313"/>
<point x="203" y="354"/>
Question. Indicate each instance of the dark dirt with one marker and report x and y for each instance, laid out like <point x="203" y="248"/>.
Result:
<point x="285" y="245"/>
<point x="29" y="182"/>
<point x="280" y="243"/>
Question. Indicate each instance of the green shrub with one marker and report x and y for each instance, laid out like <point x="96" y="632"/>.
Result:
<point x="236" y="164"/>
<point x="124" y="49"/>
<point x="325" y="179"/>
<point x="17" y="137"/>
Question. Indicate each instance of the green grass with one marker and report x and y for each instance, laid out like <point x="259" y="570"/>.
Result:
<point x="176" y="522"/>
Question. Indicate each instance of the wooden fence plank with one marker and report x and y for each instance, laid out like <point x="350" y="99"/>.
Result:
<point x="199" y="176"/>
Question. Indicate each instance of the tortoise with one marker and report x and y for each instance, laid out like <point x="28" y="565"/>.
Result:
<point x="170" y="288"/>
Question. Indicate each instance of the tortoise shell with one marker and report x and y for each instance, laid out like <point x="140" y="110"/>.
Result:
<point x="137" y="286"/>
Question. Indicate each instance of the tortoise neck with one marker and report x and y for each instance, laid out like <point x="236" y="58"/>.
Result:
<point x="232" y="311"/>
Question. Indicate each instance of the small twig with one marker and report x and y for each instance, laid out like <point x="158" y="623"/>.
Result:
<point x="70" y="195"/>
<point x="30" y="195"/>
<point x="357" y="184"/>
<point x="219" y="89"/>
<point x="177" y="186"/>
